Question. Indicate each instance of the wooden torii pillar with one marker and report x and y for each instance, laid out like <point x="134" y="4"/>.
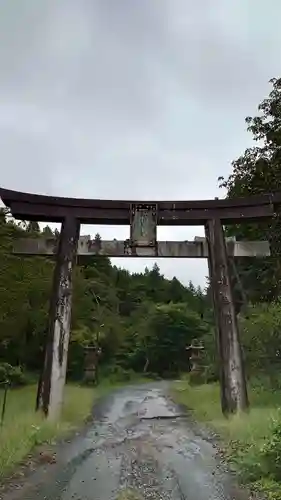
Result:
<point x="52" y="379"/>
<point x="143" y="218"/>
<point x="231" y="365"/>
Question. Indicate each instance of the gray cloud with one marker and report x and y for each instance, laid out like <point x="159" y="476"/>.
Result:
<point x="130" y="99"/>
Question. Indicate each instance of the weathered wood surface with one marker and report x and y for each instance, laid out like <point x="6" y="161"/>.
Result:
<point x="233" y="382"/>
<point x="26" y="206"/>
<point x="51" y="385"/>
<point x="143" y="226"/>
<point x="115" y="248"/>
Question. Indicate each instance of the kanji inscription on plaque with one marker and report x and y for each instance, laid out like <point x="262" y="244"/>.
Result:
<point x="143" y="225"/>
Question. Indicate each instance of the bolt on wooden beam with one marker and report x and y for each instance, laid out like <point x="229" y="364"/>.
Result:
<point x="232" y="374"/>
<point x="52" y="380"/>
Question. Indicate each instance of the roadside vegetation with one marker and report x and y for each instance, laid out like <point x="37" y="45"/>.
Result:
<point x="252" y="441"/>
<point x="23" y="429"/>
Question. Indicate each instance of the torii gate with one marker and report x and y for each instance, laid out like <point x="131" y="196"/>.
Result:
<point x="143" y="218"/>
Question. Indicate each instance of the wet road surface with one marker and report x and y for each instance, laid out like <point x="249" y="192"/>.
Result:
<point x="140" y="446"/>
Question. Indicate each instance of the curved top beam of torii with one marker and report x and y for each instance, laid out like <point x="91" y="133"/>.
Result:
<point x="27" y="206"/>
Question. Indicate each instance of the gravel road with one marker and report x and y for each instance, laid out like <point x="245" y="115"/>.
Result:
<point x="140" y="446"/>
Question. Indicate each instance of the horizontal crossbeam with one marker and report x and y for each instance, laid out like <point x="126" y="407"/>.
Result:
<point x="26" y="206"/>
<point x="121" y="248"/>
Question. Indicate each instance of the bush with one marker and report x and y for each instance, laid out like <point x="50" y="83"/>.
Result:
<point x="269" y="487"/>
<point x="115" y="373"/>
<point x="260" y="335"/>
<point x="270" y="453"/>
<point x="261" y="465"/>
<point x="24" y="428"/>
<point x="13" y="374"/>
<point x="208" y="360"/>
<point x="250" y="441"/>
<point x="196" y="377"/>
<point x="4" y="367"/>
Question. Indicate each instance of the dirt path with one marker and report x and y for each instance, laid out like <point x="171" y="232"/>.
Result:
<point x="139" y="447"/>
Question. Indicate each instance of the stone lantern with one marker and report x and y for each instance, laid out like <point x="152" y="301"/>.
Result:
<point x="91" y="359"/>
<point x="194" y="354"/>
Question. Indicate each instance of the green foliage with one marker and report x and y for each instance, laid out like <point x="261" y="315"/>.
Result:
<point x="115" y="374"/>
<point x="250" y="441"/>
<point x="169" y="329"/>
<point x="253" y="441"/>
<point x="268" y="487"/>
<point x="260" y="333"/>
<point x="24" y="428"/>
<point x="209" y="360"/>
<point x="141" y="321"/>
<point x="258" y="171"/>
<point x="260" y="327"/>
<point x="12" y="374"/>
<point x="270" y="452"/>
<point x="260" y="463"/>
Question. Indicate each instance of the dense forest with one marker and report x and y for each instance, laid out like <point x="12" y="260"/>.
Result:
<point x="143" y="322"/>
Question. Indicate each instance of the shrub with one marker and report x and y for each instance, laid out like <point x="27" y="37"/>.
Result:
<point x="260" y="335"/>
<point x="208" y="360"/>
<point x="4" y="368"/>
<point x="116" y="373"/>
<point x="260" y="328"/>
<point x="270" y="453"/>
<point x="196" y="377"/>
<point x="260" y="464"/>
<point x="13" y="374"/>
<point x="268" y="487"/>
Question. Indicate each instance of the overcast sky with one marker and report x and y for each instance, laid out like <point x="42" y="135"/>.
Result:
<point x="132" y="99"/>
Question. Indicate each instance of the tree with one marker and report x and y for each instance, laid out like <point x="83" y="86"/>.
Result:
<point x="258" y="171"/>
<point x="164" y="334"/>
<point x="47" y="232"/>
<point x="33" y="227"/>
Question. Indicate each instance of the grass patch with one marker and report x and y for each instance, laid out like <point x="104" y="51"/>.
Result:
<point x="24" y="429"/>
<point x="251" y="441"/>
